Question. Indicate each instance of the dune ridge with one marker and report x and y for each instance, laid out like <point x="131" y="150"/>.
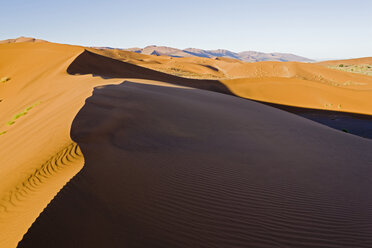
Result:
<point x="61" y="77"/>
<point x="37" y="73"/>
<point x="288" y="83"/>
<point x="95" y="64"/>
<point x="357" y="61"/>
<point x="190" y="168"/>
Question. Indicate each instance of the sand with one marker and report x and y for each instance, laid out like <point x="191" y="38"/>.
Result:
<point x="288" y="83"/>
<point x="173" y="161"/>
<point x="174" y="167"/>
<point x="357" y="61"/>
<point x="37" y="155"/>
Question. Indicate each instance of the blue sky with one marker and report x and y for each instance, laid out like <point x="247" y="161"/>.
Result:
<point x="315" y="29"/>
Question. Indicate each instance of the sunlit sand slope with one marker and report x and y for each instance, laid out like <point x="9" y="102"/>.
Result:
<point x="39" y="100"/>
<point x="289" y="83"/>
<point x="358" y="61"/>
<point x="303" y="93"/>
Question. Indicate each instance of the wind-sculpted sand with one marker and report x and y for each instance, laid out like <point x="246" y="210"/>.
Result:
<point x="174" y="167"/>
<point x="37" y="155"/>
<point x="289" y="83"/>
<point x="172" y="161"/>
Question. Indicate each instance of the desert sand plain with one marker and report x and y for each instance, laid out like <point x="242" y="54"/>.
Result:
<point x="110" y="148"/>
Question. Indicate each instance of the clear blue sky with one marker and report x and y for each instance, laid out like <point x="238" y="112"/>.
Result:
<point x="312" y="28"/>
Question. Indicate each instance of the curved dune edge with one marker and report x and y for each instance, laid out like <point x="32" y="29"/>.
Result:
<point x="303" y="93"/>
<point x="37" y="73"/>
<point x="37" y="190"/>
<point x="287" y="83"/>
<point x="98" y="65"/>
<point x="44" y="132"/>
<point x="173" y="167"/>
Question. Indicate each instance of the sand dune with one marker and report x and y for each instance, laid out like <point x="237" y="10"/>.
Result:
<point x="173" y="167"/>
<point x="358" y="61"/>
<point x="37" y="155"/>
<point x="361" y="65"/>
<point x="21" y="40"/>
<point x="289" y="83"/>
<point x="172" y="162"/>
<point x="91" y="63"/>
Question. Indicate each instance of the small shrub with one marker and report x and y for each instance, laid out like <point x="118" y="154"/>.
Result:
<point x="4" y="79"/>
<point x="340" y="65"/>
<point x="24" y="112"/>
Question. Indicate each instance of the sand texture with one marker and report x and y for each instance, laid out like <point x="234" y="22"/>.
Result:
<point x="173" y="167"/>
<point x="110" y="148"/>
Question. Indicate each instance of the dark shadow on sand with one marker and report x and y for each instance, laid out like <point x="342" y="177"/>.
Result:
<point x="91" y="63"/>
<point x="180" y="168"/>
<point x="357" y="124"/>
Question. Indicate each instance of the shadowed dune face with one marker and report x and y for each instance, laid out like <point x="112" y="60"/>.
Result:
<point x="356" y="124"/>
<point x="173" y="167"/>
<point x="91" y="63"/>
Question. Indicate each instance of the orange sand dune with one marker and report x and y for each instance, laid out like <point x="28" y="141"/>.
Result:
<point x="230" y="68"/>
<point x="180" y="168"/>
<point x="303" y="93"/>
<point x="358" y="61"/>
<point x="38" y="103"/>
<point x="169" y="166"/>
<point x="37" y="155"/>
<point x="289" y="83"/>
<point x="21" y="40"/>
<point x="91" y="63"/>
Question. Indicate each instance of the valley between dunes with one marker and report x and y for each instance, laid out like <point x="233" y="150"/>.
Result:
<point x="181" y="130"/>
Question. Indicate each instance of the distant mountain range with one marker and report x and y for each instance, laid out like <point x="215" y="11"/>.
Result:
<point x="248" y="56"/>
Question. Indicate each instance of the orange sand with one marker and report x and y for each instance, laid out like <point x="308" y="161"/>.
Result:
<point x="37" y="155"/>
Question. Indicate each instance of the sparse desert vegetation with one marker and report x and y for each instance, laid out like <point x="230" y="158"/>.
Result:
<point x="186" y="74"/>
<point x="24" y="112"/>
<point x="4" y="79"/>
<point x="361" y="69"/>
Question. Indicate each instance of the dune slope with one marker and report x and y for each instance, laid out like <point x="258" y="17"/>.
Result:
<point x="38" y="102"/>
<point x="174" y="167"/>
<point x="357" y="61"/>
<point x="91" y="63"/>
<point x="197" y="175"/>
<point x="288" y="83"/>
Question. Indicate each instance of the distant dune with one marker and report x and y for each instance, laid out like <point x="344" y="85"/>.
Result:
<point x="290" y="83"/>
<point x="21" y="39"/>
<point x="358" y="61"/>
<point x="247" y="56"/>
<point x="112" y="148"/>
<point x="360" y="65"/>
